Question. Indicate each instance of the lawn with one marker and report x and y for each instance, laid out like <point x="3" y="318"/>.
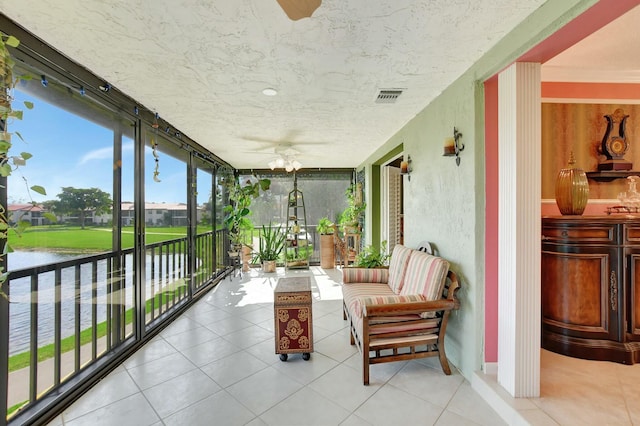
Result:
<point x="74" y="238"/>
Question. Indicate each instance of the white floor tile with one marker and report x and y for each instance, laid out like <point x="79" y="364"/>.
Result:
<point x="263" y="390"/>
<point x="391" y="405"/>
<point x="305" y="407"/>
<point x="233" y="368"/>
<point x="131" y="411"/>
<point x="210" y="351"/>
<point x="160" y="370"/>
<point x="218" y="409"/>
<point x="180" y="392"/>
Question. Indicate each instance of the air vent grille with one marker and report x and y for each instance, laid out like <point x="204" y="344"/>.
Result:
<point x="388" y="96"/>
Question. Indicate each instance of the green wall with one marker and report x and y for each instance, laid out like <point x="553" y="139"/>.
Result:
<point x="444" y="203"/>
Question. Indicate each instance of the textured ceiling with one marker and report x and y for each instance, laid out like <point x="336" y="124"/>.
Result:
<point x="202" y="65"/>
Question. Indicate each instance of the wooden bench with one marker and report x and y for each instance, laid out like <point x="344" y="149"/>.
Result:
<point x="400" y="313"/>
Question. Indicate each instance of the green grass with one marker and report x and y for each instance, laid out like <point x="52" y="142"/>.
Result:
<point x="15" y="408"/>
<point x="73" y="238"/>
<point x="22" y="360"/>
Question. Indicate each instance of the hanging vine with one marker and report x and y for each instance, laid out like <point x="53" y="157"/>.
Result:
<point x="154" y="146"/>
<point x="9" y="163"/>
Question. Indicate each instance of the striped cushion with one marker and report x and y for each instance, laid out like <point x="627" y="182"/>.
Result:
<point x="384" y="299"/>
<point x="352" y="293"/>
<point x="365" y="275"/>
<point x="397" y="267"/>
<point x="425" y="275"/>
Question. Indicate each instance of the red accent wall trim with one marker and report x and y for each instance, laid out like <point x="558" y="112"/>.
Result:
<point x="594" y="18"/>
<point x="590" y="90"/>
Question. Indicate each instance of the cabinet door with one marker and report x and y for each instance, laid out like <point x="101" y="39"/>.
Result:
<point x="580" y="291"/>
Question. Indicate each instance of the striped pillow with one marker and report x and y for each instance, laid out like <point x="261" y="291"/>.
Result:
<point x="364" y="275"/>
<point x="425" y="275"/>
<point x="398" y="266"/>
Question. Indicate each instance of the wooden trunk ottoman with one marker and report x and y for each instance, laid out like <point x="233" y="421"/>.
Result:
<point x="292" y="315"/>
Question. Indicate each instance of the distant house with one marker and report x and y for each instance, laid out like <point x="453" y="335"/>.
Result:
<point x="32" y="213"/>
<point x="159" y="214"/>
<point x="156" y="214"/>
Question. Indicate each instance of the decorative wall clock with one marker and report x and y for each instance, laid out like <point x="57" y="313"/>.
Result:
<point x="615" y="146"/>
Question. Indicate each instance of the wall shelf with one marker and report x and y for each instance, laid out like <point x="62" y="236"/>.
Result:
<point x="609" y="175"/>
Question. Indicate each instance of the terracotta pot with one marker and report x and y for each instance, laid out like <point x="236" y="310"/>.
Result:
<point x="268" y="266"/>
<point x="572" y="189"/>
<point x="327" y="252"/>
<point x="246" y="257"/>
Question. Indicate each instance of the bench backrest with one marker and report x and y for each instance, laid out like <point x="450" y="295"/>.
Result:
<point x="398" y="267"/>
<point x="425" y="274"/>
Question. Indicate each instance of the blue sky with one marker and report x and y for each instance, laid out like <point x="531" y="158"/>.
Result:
<point x="71" y="151"/>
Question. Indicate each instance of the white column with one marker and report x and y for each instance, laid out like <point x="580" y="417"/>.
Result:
<point x="519" y="144"/>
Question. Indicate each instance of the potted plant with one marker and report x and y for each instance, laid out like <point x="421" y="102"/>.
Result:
<point x="271" y="245"/>
<point x="237" y="213"/>
<point x="372" y="257"/>
<point x="350" y="217"/>
<point x="327" y="253"/>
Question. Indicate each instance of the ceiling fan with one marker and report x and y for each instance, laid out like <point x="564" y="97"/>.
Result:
<point x="287" y="158"/>
<point x="298" y="9"/>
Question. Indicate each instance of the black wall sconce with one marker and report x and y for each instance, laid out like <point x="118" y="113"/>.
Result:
<point x="405" y="167"/>
<point x="453" y="146"/>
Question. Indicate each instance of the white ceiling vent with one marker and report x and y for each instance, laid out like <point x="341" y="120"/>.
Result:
<point x="388" y="96"/>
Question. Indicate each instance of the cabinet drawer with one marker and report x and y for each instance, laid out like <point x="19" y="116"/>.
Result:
<point x="582" y="234"/>
<point x="632" y="234"/>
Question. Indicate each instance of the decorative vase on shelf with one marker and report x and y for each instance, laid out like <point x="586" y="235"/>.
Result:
<point x="572" y="189"/>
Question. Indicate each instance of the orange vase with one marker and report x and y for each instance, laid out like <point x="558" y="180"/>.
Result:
<point x="572" y="189"/>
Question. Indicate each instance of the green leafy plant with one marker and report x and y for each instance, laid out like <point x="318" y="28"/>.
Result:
<point x="236" y="219"/>
<point x="325" y="226"/>
<point x="8" y="162"/>
<point x="351" y="216"/>
<point x="372" y="257"/>
<point x="271" y="243"/>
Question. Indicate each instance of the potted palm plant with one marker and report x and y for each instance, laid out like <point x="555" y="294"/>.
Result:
<point x="327" y="253"/>
<point x="271" y="245"/>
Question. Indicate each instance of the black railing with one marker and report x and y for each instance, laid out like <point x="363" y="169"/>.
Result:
<point x="65" y="316"/>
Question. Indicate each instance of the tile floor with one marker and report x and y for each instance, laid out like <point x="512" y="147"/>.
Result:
<point x="576" y="392"/>
<point x="216" y="365"/>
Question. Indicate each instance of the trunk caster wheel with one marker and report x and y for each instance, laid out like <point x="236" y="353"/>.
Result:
<point x="283" y="357"/>
<point x="306" y="356"/>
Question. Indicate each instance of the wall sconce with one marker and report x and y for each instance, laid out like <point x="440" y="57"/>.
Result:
<point x="453" y="146"/>
<point x="405" y="167"/>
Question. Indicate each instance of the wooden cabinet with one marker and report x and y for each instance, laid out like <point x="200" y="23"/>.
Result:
<point x="589" y="287"/>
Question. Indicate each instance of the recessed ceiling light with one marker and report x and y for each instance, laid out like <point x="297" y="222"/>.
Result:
<point x="269" y="92"/>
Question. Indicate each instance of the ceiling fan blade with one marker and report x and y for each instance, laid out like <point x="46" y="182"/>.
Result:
<point x="298" y="9"/>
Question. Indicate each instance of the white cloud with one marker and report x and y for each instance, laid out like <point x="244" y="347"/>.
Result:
<point x="104" y="153"/>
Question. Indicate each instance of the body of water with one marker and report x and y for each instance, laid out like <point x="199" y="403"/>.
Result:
<point x="20" y="296"/>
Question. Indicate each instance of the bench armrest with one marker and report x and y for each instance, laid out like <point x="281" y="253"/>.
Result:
<point x="407" y="308"/>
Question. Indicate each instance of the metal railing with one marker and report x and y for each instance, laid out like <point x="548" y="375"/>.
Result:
<point x="65" y="316"/>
